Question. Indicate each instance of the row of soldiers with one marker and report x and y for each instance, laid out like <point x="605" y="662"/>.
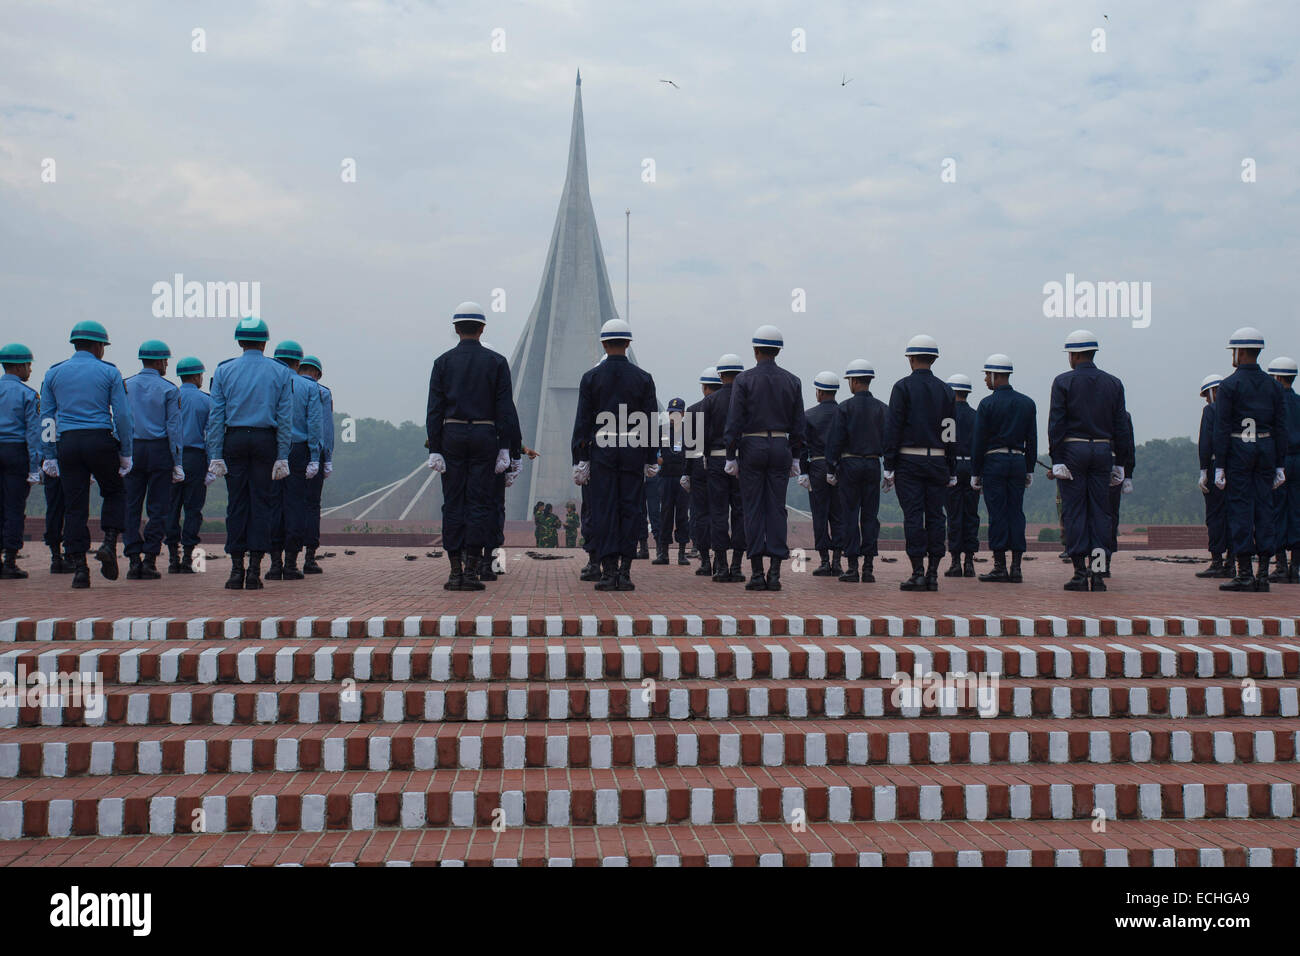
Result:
<point x="153" y="447"/>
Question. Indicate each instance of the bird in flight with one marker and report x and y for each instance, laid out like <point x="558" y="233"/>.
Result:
<point x="1104" y="17"/>
<point x="671" y="83"/>
<point x="845" y="79"/>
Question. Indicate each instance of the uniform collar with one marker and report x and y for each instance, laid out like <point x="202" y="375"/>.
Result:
<point x="189" y="385"/>
<point x="149" y="371"/>
<point x="1247" y="366"/>
<point x="1004" y="387"/>
<point x="1086" y="365"/>
<point x="254" y="352"/>
<point x="82" y="353"/>
<point x="616" y="358"/>
<point x="922" y="371"/>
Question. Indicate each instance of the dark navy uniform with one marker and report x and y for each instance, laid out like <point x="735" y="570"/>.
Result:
<point x="289" y="532"/>
<point x="962" y="505"/>
<point x="1087" y="419"/>
<point x="1003" y="451"/>
<point x="853" y="453"/>
<point x="673" y="497"/>
<point x="697" y="471"/>
<point x="20" y="455"/>
<point x="316" y="486"/>
<point x="765" y="430"/>
<point x="471" y="405"/>
<point x="190" y="495"/>
<point x="155" y="412"/>
<point x="726" y="514"/>
<point x="1126" y="458"/>
<point x="1248" y="396"/>
<point x="823" y="499"/>
<point x="650" y="519"/>
<point x="54" y="518"/>
<point x="1287" y="500"/>
<point x="616" y="496"/>
<point x="1216" y="499"/>
<point x="923" y="463"/>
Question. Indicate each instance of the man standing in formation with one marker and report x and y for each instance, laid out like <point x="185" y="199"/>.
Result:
<point x="310" y="367"/>
<point x="963" y="502"/>
<point x="191" y="492"/>
<point x="672" y="464"/>
<point x="1003" y="452"/>
<point x="20" y="451"/>
<point x="823" y="498"/>
<point x="853" y="453"/>
<point x="1222" y="564"/>
<point x="1125" y="456"/>
<point x="1287" y="498"/>
<point x="290" y="495"/>
<point x="155" y="412"/>
<point x="726" y="517"/>
<point x="696" y="479"/>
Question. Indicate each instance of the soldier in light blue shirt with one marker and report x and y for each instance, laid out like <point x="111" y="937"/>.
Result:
<point x="191" y="492"/>
<point x="289" y="530"/>
<point x="85" y="398"/>
<point x="310" y="367"/>
<point x="20" y="451"/>
<point x="249" y="432"/>
<point x="155" y="411"/>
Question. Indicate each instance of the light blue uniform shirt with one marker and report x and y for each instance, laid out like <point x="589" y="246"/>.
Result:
<point x="326" y="423"/>
<point x="155" y="409"/>
<point x="20" y="417"/>
<point x="307" y="415"/>
<point x="85" y="392"/>
<point x="196" y="406"/>
<point x="251" y="391"/>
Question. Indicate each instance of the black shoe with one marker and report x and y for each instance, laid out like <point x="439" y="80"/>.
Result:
<point x="851" y="575"/>
<point x="149" y="568"/>
<point x="290" y="568"/>
<point x="642" y="551"/>
<point x="485" y="572"/>
<point x="309" y="565"/>
<point x="868" y="570"/>
<point x="107" y="556"/>
<point x="456" y="579"/>
<point x="1229" y="568"/>
<point x="824" y="568"/>
<point x="187" y="561"/>
<point x="236" y="580"/>
<point x="836" y="567"/>
<point x="471" y="558"/>
<point x="682" y="559"/>
<point x="134" y="568"/>
<point x="774" y="575"/>
<point x="276" y="570"/>
<point x="1080" y="580"/>
<point x="1014" y="575"/>
<point x="608" y="575"/>
<point x="590" y="571"/>
<point x="721" y="570"/>
<point x="968" y="568"/>
<point x="9" y="570"/>
<point x="932" y="574"/>
<point x="1281" y="572"/>
<point x="173" y="559"/>
<point x="59" y="564"/>
<point x="999" y="573"/>
<point x="661" y="556"/>
<point x="253" y="576"/>
<point x="625" y="575"/>
<point x="917" y="581"/>
<point x="954" y="569"/>
<point x="706" y="567"/>
<point x="80" y="571"/>
<point x="735" y="575"/>
<point x="1216" y="565"/>
<point x="1098" y="581"/>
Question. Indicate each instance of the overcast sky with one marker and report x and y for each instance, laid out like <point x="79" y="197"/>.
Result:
<point x="771" y="174"/>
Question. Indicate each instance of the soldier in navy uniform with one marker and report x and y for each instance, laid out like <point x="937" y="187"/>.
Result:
<point x="1004" y="449"/>
<point x="617" y="461"/>
<point x="1222" y="563"/>
<point x="696" y="479"/>
<point x="672" y="465"/>
<point x="86" y="399"/>
<point x="962" y="505"/>
<point x="763" y="438"/>
<point x="1287" y="498"/>
<point x="921" y="450"/>
<point x="726" y="516"/>
<point x="310" y="367"/>
<point x="20" y="451"/>
<point x="1125" y="456"/>
<point x="289" y="531"/>
<point x="1086" y="423"/>
<point x="155" y="411"/>
<point x="823" y="498"/>
<point x="471" y="416"/>
<point x="853" y="453"/>
<point x="191" y="492"/>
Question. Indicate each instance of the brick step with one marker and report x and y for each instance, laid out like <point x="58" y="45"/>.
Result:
<point x="445" y="660"/>
<point x="525" y="625"/>
<point x="701" y="795"/>
<point x="1134" y="843"/>
<point x="680" y="700"/>
<point x="74" y="752"/>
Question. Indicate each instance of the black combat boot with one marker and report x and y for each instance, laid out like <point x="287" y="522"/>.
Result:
<point x="851" y="575"/>
<point x="1098" y="580"/>
<point x="590" y="571"/>
<point x="932" y="574"/>
<point x="456" y="579"/>
<point x="187" y="560"/>
<point x="1281" y="572"/>
<point x="774" y="574"/>
<point x="290" y="569"/>
<point x="682" y="559"/>
<point x="999" y="572"/>
<point x="721" y="572"/>
<point x="1245" y="579"/>
<point x="236" y="580"/>
<point x="736" y="574"/>
<point x="608" y="574"/>
<point x="134" y="567"/>
<point x="276" y="571"/>
<point x="917" y="581"/>
<point x="470" y="558"/>
<point x="9" y="570"/>
<point x="485" y="572"/>
<point x="642" y="551"/>
<point x="1229" y="566"/>
<point x="309" y="565"/>
<point x="868" y="569"/>
<point x="80" y="571"/>
<point x="58" y="563"/>
<point x="1216" y="565"/>
<point x="757" y="582"/>
<point x="706" y="566"/>
<point x="1261" y="578"/>
<point x="823" y="570"/>
<point x="968" y="567"/>
<point x="836" y="567"/>
<point x="1080" y="580"/>
<point x="173" y="559"/>
<point x="661" y="554"/>
<point x="149" y="567"/>
<point x="107" y="556"/>
<point x="1015" y="574"/>
<point x="954" y="569"/>
<point x="253" y="575"/>
<point x="625" y="574"/>
<point x="1294" y="576"/>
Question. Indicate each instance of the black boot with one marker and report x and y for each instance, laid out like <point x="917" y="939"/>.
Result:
<point x="1245" y="579"/>
<point x="107" y="556"/>
<point x="1282" y="572"/>
<point x="1294" y="577"/>
<point x="721" y="572"/>
<point x="236" y="580"/>
<point x="932" y="574"/>
<point x="642" y="551"/>
<point x="917" y="581"/>
<point x="706" y="566"/>
<point x="80" y="571"/>
<point x="774" y="574"/>
<point x="736" y="575"/>
<point x="682" y="559"/>
<point x="253" y="575"/>
<point x="824" y="569"/>
<point x="309" y="565"/>
<point x="1080" y="580"/>
<point x="851" y="575"/>
<point x="968" y="567"/>
<point x="661" y="554"/>
<point x="1015" y="575"/>
<point x="187" y="560"/>
<point x="999" y="572"/>
<point x="9" y="570"/>
<point x="869" y="569"/>
<point x="1229" y="566"/>
<point x="58" y="563"/>
<point x="608" y="575"/>
<point x="836" y="567"/>
<point x="625" y="574"/>
<point x="757" y="582"/>
<point x="591" y="570"/>
<point x="173" y="559"/>
<point x="456" y="579"/>
<point x="1261" y="577"/>
<point x="1098" y="580"/>
<point x="149" y="567"/>
<point x="485" y="572"/>
<point x="276" y="571"/>
<point x="134" y="567"/>
<point x="290" y="569"/>
<point x="954" y="569"/>
<point x="1216" y="565"/>
<point x="470" y="559"/>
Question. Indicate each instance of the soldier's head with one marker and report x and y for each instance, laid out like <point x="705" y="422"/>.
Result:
<point x="768" y="342"/>
<point x="569" y="506"/>
<point x="997" y="370"/>
<point x="615" y="337"/>
<point x="190" y="370"/>
<point x="1081" y="345"/>
<point x="468" y="320"/>
<point x="1283" y="370"/>
<point x="547" y="509"/>
<point x="89" y="336"/>
<point x="310" y="366"/>
<point x="16" y="360"/>
<point x="922" y="351"/>
<point x="728" y="367"/>
<point x="154" y="354"/>
<point x="859" y="374"/>
<point x="1210" y="388"/>
<point x="1245" y="344"/>
<point x="826" y="384"/>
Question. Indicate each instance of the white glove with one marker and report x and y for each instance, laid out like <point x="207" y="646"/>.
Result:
<point x="1220" y="480"/>
<point x="976" y="482"/>
<point x="1117" y="475"/>
<point x="34" y="478"/>
<point x="51" y="467"/>
<point x="209" y="478"/>
<point x="795" y="471"/>
<point x="731" y="468"/>
<point x="123" y="465"/>
<point x="1203" y="482"/>
<point x="685" y="482"/>
<point x="651" y="470"/>
<point x="437" y="463"/>
<point x="280" y="470"/>
<point x="1029" y="478"/>
<point x="831" y="479"/>
<point x="582" y="473"/>
<point x="1126" y="488"/>
<point x="313" y="469"/>
<point x="887" y="484"/>
<point x="952" y="481"/>
<point x="510" y="477"/>
<point x="1061" y="472"/>
<point x="503" y="461"/>
<point x="804" y="482"/>
<point x="217" y="467"/>
<point x="327" y="468"/>
<point x="1279" y="478"/>
<point x="178" y="473"/>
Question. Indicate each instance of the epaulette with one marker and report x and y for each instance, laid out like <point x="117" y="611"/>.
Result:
<point x="224" y="361"/>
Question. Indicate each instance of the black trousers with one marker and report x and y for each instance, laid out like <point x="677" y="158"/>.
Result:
<point x="653" y="487"/>
<point x="14" y="468"/>
<point x="617" y="499"/>
<point x="726" y="515"/>
<point x="922" y="483"/>
<point x="827" y="515"/>
<point x="858" y="483"/>
<point x="82" y="453"/>
<point x="469" y="498"/>
<point x="1216" y="516"/>
<point x="148" y="486"/>
<point x="1251" y="514"/>
<point x="764" y="478"/>
<point x="290" y="496"/>
<point x="249" y="456"/>
<point x="188" y="496"/>
<point x="54" y="511"/>
<point x="1085" y="498"/>
<point x="672" y="511"/>
<point x="962" y="507"/>
<point x="699" y="517"/>
<point x="315" y="488"/>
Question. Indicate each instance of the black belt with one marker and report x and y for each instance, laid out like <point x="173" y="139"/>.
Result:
<point x="249" y="429"/>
